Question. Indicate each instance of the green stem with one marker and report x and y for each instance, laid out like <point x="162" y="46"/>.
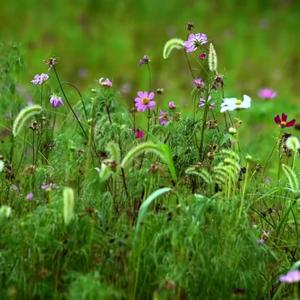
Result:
<point x="69" y="105"/>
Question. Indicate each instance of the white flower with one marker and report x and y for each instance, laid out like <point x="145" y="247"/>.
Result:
<point x="293" y="143"/>
<point x="230" y="104"/>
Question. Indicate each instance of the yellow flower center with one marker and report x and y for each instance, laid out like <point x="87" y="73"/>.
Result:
<point x="283" y="123"/>
<point x="238" y="102"/>
<point x="145" y="101"/>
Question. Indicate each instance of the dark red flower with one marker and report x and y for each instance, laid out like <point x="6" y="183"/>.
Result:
<point x="139" y="134"/>
<point x="282" y="121"/>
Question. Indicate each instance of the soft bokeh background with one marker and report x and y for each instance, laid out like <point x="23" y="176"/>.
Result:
<point x="257" y="44"/>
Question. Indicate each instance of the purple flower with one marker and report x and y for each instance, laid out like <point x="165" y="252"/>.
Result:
<point x="194" y="41"/>
<point x="56" y="101"/>
<point x="290" y="277"/>
<point x="105" y="82"/>
<point x="202" y="102"/>
<point x="144" y="100"/>
<point x="172" y="105"/>
<point x="267" y="93"/>
<point x="164" y="118"/>
<point x="29" y="196"/>
<point x="139" y="134"/>
<point x="198" y="83"/>
<point x="39" y="79"/>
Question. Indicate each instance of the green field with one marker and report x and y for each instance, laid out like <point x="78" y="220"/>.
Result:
<point x="110" y="193"/>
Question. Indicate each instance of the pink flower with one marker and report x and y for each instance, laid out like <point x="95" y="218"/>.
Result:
<point x="29" y="196"/>
<point x="290" y="277"/>
<point x="194" y="41"/>
<point x="172" y="105"/>
<point x="139" y="134"/>
<point x="198" y="83"/>
<point x="267" y="93"/>
<point x="105" y="82"/>
<point x="56" y="101"/>
<point x="144" y="100"/>
<point x="39" y="79"/>
<point x="164" y="118"/>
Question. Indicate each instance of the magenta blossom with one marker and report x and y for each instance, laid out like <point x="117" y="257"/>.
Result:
<point x="144" y="100"/>
<point x="139" y="134"/>
<point x="105" y="82"/>
<point x="29" y="196"/>
<point x="172" y="105"/>
<point x="164" y="118"/>
<point x="202" y="102"/>
<point x="39" y="79"/>
<point x="198" y="83"/>
<point x="290" y="277"/>
<point x="283" y="122"/>
<point x="56" y="101"/>
<point x="267" y="94"/>
<point x="202" y="55"/>
<point x="194" y="41"/>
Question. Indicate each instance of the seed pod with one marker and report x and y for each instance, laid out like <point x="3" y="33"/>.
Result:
<point x="212" y="58"/>
<point x="68" y="210"/>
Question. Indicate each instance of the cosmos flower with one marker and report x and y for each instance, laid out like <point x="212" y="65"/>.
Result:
<point x="202" y="102"/>
<point x="105" y="82"/>
<point x="230" y="104"/>
<point x="56" y="101"/>
<point x="198" y="83"/>
<point x="290" y="277"/>
<point x="267" y="94"/>
<point x="164" y="118"/>
<point x="39" y="79"/>
<point x="282" y="121"/>
<point x="144" y="100"/>
<point x="194" y="41"/>
<point x="172" y="105"/>
<point x="139" y="134"/>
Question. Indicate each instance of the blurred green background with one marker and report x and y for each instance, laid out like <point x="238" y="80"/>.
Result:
<point x="257" y="42"/>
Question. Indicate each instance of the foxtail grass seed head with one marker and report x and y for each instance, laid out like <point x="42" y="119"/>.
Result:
<point x="212" y="58"/>
<point x="68" y="209"/>
<point x="1" y="165"/>
<point x="5" y="211"/>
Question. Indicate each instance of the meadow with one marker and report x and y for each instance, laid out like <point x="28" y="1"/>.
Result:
<point x="150" y="160"/>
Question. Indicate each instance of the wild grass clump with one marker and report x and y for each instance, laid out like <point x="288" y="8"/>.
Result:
<point x="100" y="200"/>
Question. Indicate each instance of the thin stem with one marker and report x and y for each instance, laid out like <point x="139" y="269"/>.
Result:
<point x="80" y="96"/>
<point x="70" y="106"/>
<point x="189" y="64"/>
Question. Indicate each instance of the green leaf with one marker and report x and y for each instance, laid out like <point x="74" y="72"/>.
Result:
<point x="146" y="204"/>
<point x="170" y="45"/>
